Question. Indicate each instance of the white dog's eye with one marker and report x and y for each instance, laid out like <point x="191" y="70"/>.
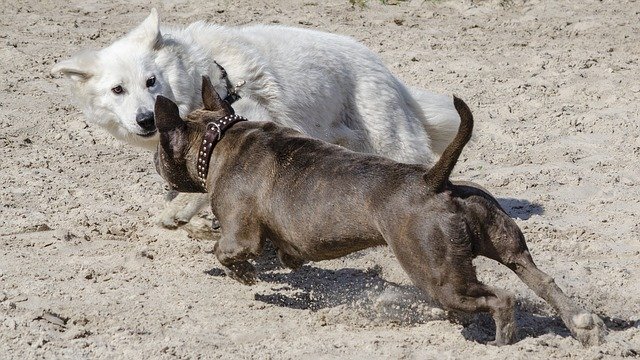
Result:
<point x="151" y="81"/>
<point x="117" y="90"/>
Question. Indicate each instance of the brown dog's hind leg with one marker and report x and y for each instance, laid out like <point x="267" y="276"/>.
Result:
<point x="586" y="327"/>
<point x="448" y="275"/>
<point x="476" y="297"/>
<point x="505" y="243"/>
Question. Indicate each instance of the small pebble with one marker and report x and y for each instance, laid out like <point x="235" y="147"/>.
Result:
<point x="53" y="318"/>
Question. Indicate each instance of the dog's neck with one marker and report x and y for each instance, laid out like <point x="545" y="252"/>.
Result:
<point x="213" y="133"/>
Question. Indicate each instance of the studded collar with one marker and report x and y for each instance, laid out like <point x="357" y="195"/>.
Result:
<point x="214" y="132"/>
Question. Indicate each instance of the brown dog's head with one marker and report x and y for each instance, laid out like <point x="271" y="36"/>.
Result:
<point x="180" y="140"/>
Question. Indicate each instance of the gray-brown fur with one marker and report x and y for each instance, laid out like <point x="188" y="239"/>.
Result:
<point x="317" y="201"/>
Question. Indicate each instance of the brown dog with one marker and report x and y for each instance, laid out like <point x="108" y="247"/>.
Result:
<point x="317" y="201"/>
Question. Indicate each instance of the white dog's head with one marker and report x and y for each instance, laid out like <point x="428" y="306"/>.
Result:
<point x="117" y="86"/>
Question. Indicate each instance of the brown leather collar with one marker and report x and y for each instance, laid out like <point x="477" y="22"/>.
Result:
<point x="212" y="135"/>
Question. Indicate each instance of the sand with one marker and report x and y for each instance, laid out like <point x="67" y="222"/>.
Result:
<point x="85" y="272"/>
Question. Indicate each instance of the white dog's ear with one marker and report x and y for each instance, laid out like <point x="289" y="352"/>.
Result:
<point x="78" y="68"/>
<point x="148" y="32"/>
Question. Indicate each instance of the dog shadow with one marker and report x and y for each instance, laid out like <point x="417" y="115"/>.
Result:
<point x="361" y="291"/>
<point x="366" y="294"/>
<point x="530" y="319"/>
<point x="531" y="323"/>
<point x="520" y="208"/>
<point x="312" y="288"/>
<point x="374" y="298"/>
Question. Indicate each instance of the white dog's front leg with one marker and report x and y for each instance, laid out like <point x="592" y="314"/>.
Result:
<point x="196" y="203"/>
<point x="180" y="209"/>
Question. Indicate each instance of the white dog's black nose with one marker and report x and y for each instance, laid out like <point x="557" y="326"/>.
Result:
<point x="145" y="121"/>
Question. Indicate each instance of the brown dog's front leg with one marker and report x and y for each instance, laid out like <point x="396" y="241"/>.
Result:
<point x="588" y="328"/>
<point x="233" y="257"/>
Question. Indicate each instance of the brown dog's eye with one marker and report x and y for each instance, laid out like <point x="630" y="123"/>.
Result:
<point x="151" y="81"/>
<point x="117" y="90"/>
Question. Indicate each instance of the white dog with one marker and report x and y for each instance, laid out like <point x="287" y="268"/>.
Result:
<point x="327" y="86"/>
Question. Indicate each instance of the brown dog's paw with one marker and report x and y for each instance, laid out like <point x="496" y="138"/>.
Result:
<point x="507" y="336"/>
<point x="289" y="261"/>
<point x="503" y="341"/>
<point x="242" y="271"/>
<point x="589" y="329"/>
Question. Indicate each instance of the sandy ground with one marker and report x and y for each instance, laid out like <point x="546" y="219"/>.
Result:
<point x="85" y="272"/>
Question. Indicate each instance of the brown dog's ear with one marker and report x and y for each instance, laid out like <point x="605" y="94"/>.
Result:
<point x="167" y="115"/>
<point x="173" y="135"/>
<point x="212" y="100"/>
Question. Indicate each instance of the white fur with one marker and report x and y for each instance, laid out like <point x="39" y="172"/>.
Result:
<point x="325" y="85"/>
<point x="328" y="86"/>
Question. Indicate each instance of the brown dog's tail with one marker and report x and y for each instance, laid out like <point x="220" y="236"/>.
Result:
<point x="438" y="175"/>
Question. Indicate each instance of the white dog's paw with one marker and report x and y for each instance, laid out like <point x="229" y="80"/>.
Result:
<point x="167" y="220"/>
<point x="199" y="228"/>
<point x="180" y="209"/>
<point x="168" y="217"/>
